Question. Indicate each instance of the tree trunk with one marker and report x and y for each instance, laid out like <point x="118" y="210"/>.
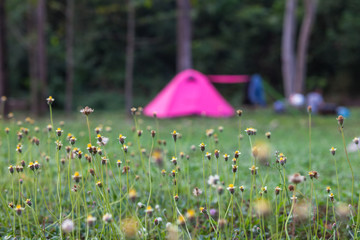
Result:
<point x="303" y="43"/>
<point x="32" y="59"/>
<point x="41" y="53"/>
<point x="69" y="55"/>
<point x="287" y="47"/>
<point x="130" y="48"/>
<point x="4" y="91"/>
<point x="183" y="35"/>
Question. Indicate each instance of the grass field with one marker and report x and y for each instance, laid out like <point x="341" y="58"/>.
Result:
<point x="114" y="203"/>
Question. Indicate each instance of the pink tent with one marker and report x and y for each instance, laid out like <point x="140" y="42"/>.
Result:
<point x="189" y="93"/>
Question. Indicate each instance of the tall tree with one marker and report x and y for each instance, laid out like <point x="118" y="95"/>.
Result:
<point x="287" y="47"/>
<point x="32" y="58"/>
<point x="41" y="52"/>
<point x="3" y="54"/>
<point x="183" y="35"/>
<point x="130" y="49"/>
<point x="303" y="43"/>
<point x="69" y="55"/>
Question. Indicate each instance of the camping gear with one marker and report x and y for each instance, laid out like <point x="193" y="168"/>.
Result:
<point x="189" y="93"/>
<point x="256" y="91"/>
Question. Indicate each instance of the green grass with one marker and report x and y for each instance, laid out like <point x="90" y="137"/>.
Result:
<point x="289" y="135"/>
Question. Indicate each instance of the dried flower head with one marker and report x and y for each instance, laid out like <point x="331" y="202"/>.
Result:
<point x="296" y="178"/>
<point x="313" y="174"/>
<point x="340" y="120"/>
<point x="268" y="135"/>
<point x="239" y="112"/>
<point x="87" y="111"/>
<point x="250" y="131"/>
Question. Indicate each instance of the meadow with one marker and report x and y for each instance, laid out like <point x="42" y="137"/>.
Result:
<point x="103" y="175"/>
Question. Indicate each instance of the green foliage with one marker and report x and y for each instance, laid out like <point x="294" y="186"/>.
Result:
<point x="229" y="37"/>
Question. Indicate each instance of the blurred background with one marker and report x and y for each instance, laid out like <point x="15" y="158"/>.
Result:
<point x="114" y="54"/>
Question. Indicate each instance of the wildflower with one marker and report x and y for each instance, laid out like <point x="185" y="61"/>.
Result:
<point x="328" y="189"/>
<point x="250" y="131"/>
<point x="36" y="165"/>
<point x="213" y="180"/>
<point x="76" y="177"/>
<point x="176" y="198"/>
<point x="277" y="190"/>
<point x="149" y="210"/>
<point x="31" y="166"/>
<point x="28" y="202"/>
<point x="87" y="111"/>
<point x="220" y="190"/>
<point x="202" y="147"/>
<point x="50" y="100"/>
<point x="19" y="135"/>
<point x="163" y="172"/>
<point x="107" y="217"/>
<point x="104" y="160"/>
<point x="36" y="129"/>
<point x="262" y="207"/>
<point x="331" y="196"/>
<point x="221" y="128"/>
<point x="236" y="154"/>
<point x="174" y="160"/>
<point x="222" y="223"/>
<point x="132" y="194"/>
<point x="226" y="157"/>
<point x="291" y="188"/>
<point x="333" y="151"/>
<point x="174" y="135"/>
<point x="59" y="132"/>
<point x="242" y="188"/>
<point x="190" y="214"/>
<point x="140" y="133"/>
<point x="208" y="155"/>
<point x="173" y="173"/>
<point x="231" y="188"/>
<point x="234" y="168"/>
<point x="11" y="169"/>
<point x="340" y="120"/>
<point x="282" y="160"/>
<point x="19" y="209"/>
<point x="234" y="160"/>
<point x="268" y="135"/>
<point x="293" y="198"/>
<point x="356" y="141"/>
<point x="202" y="210"/>
<point x="216" y="153"/>
<point x="79" y="154"/>
<point x="118" y="163"/>
<point x="90" y="220"/>
<point x="264" y="189"/>
<point x="309" y="109"/>
<point x="49" y="128"/>
<point x="21" y="181"/>
<point x="197" y="192"/>
<point x="313" y="174"/>
<point x="157" y="221"/>
<point x="19" y="168"/>
<point x="7" y="130"/>
<point x="239" y="112"/>
<point x="126" y="169"/>
<point x="99" y="184"/>
<point x="153" y="133"/>
<point x="253" y="170"/>
<point x="181" y="220"/>
<point x="133" y="110"/>
<point x="58" y="145"/>
<point x="19" y="148"/>
<point x="10" y="205"/>
<point x="296" y="178"/>
<point x="209" y="132"/>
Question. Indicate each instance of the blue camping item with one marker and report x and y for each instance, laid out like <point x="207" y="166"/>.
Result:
<point x="256" y="91"/>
